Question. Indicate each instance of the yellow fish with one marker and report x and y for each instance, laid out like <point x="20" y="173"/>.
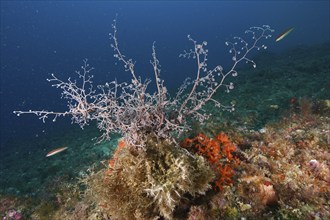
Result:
<point x="284" y="34"/>
<point x="56" y="151"/>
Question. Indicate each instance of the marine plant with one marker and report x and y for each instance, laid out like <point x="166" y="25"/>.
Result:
<point x="150" y="184"/>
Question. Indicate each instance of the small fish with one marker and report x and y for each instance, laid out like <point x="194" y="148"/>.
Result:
<point x="56" y="151"/>
<point x="284" y="34"/>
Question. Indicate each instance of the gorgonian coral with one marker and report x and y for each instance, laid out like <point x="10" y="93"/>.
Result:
<point x="127" y="108"/>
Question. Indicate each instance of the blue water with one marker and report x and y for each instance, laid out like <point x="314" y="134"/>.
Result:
<point x="39" y="38"/>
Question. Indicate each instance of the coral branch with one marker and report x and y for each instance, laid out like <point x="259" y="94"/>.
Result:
<point x="215" y="77"/>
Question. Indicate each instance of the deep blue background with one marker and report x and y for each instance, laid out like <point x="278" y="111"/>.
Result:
<point x="39" y="38"/>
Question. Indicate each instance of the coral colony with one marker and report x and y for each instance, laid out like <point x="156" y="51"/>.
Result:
<point x="127" y="108"/>
<point x="151" y="175"/>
